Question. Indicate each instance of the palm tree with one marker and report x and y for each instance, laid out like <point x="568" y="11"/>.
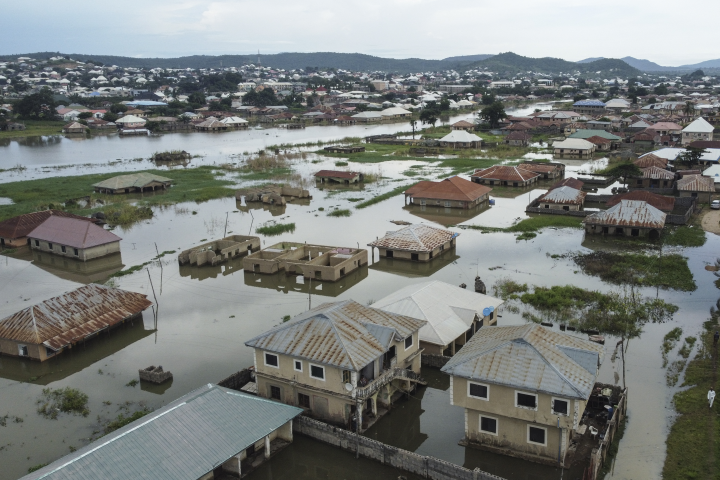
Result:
<point x="689" y="108"/>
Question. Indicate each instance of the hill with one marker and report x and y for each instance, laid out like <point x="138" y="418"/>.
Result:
<point x="509" y="64"/>
<point x="649" y="66"/>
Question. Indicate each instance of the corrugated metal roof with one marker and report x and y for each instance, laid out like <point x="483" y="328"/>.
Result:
<point x="507" y="173"/>
<point x="72" y="232"/>
<point x="699" y="126"/>
<point x="453" y="188"/>
<point x="460" y="136"/>
<point x="563" y="195"/>
<point x="629" y="213"/>
<point x="574" y="144"/>
<point x="661" y="202"/>
<point x="20" y="226"/>
<point x="136" y="180"/>
<point x="182" y="441"/>
<point x="657" y="173"/>
<point x="587" y="133"/>
<point x="696" y="183"/>
<point x="570" y="182"/>
<point x="449" y="310"/>
<point x="337" y="174"/>
<point x="341" y="334"/>
<point x="415" y="238"/>
<point x="588" y="103"/>
<point x="67" y="318"/>
<point x="651" y="160"/>
<point x="528" y="357"/>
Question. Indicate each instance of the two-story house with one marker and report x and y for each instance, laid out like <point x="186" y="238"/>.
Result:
<point x="524" y="389"/>
<point x="341" y="361"/>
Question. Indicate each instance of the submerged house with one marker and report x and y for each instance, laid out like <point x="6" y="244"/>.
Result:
<point x="339" y="361"/>
<point x="460" y="139"/>
<point x="562" y="198"/>
<point x="524" y="389"/>
<point x="631" y="218"/>
<point x="453" y="314"/>
<point x="219" y="251"/>
<point x="41" y="331"/>
<point x="14" y="231"/>
<point x="505" y="176"/>
<point x="416" y="242"/>
<point x="654" y="177"/>
<point x="338" y="176"/>
<point x="73" y="238"/>
<point x="453" y="192"/>
<point x="547" y="170"/>
<point x="212" y="432"/>
<point x="574" y="148"/>
<point x="134" y="182"/>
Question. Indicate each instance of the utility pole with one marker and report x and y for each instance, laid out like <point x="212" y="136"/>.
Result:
<point x="226" y="220"/>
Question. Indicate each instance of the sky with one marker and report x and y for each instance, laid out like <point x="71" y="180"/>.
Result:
<point x="432" y="29"/>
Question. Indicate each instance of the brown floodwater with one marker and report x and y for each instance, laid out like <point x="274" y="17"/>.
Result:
<point x="207" y="313"/>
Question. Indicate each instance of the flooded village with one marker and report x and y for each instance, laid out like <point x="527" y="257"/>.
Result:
<point x="516" y="285"/>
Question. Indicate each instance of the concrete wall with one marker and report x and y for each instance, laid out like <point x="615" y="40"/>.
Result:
<point x="627" y="231"/>
<point x="557" y="206"/>
<point x="426" y="467"/>
<point x="35" y="352"/>
<point x="418" y="200"/>
<point x="83" y="253"/>
<point x="703" y="197"/>
<point x="422" y="256"/>
<point x="14" y="242"/>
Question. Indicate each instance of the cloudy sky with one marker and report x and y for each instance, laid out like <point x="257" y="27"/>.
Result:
<point x="664" y="32"/>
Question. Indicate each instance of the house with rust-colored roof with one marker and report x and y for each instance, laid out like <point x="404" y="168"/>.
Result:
<point x="453" y="192"/>
<point x="73" y="238"/>
<point x="41" y="331"/>
<point x="417" y="242"/>
<point x="463" y="125"/>
<point x="505" y="175"/>
<point x="696" y="186"/>
<point x="602" y="144"/>
<point x="654" y="177"/>
<point x="545" y="169"/>
<point x="14" y="231"/>
<point x="661" y="202"/>
<point x="651" y="160"/>
<point x="630" y="218"/>
<point x="570" y="182"/>
<point x="518" y="138"/>
<point x="339" y="176"/>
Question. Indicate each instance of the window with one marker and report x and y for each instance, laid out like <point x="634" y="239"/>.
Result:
<point x="297" y="365"/>
<point x="488" y="425"/>
<point x="49" y="351"/>
<point x="560" y="407"/>
<point x="423" y="202"/>
<point x="477" y="390"/>
<point x="76" y="252"/>
<point x="271" y="360"/>
<point x="275" y="392"/>
<point x="389" y="253"/>
<point x="37" y="243"/>
<point x="317" y="372"/>
<point x="447" y="204"/>
<point x="408" y="342"/>
<point x="536" y="435"/>
<point x="303" y="400"/>
<point x="347" y="376"/>
<point x="525" y="400"/>
<point x="63" y="249"/>
<point x="23" y="350"/>
<point x="50" y="245"/>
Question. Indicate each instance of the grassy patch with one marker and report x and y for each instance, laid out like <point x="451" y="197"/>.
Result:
<point x="395" y="191"/>
<point x="340" y="213"/>
<point x="121" y="420"/>
<point x="353" y="199"/>
<point x="667" y="271"/>
<point x="126" y="214"/>
<point x="275" y="229"/>
<point x="669" y="341"/>
<point x="35" y="468"/>
<point x="684" y="236"/>
<point x="340" y="163"/>
<point x="534" y="224"/>
<point x="509" y="289"/>
<point x="130" y="270"/>
<point x="36" y="128"/>
<point x="65" y="400"/>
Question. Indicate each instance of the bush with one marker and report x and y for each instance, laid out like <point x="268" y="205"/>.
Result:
<point x="340" y="213"/>
<point x="277" y="229"/>
<point x="66" y="400"/>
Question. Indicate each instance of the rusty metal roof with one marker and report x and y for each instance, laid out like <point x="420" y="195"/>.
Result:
<point x="20" y="226"/>
<point x="453" y="188"/>
<point x="657" y="173"/>
<point x="337" y="174"/>
<point x="70" y="317"/>
<point x="563" y="195"/>
<point x="629" y="213"/>
<point x="696" y="183"/>
<point x="570" y="182"/>
<point x="529" y="357"/>
<point x="661" y="202"/>
<point x="72" y="232"/>
<point x="651" y="160"/>
<point x="132" y="180"/>
<point x="504" y="172"/>
<point x="343" y="334"/>
<point x="415" y="238"/>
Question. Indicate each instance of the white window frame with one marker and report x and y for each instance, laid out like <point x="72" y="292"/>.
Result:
<point x="412" y="342"/>
<point x="267" y="364"/>
<point x="448" y="204"/>
<point x="523" y="406"/>
<point x="531" y="425"/>
<point x="482" y="385"/>
<point x="552" y="406"/>
<point x="497" y="425"/>
<point x="295" y="364"/>
<point x="310" y="366"/>
<point x="20" y="350"/>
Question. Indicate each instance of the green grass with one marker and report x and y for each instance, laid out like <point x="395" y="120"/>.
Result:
<point x="684" y="236"/>
<point x="267" y="174"/>
<point x="535" y="224"/>
<point x="121" y="420"/>
<point x="509" y="289"/>
<point x="37" y="467"/>
<point x="669" y="341"/>
<point x="194" y="184"/>
<point x="276" y="229"/>
<point x="36" y="128"/>
<point x="340" y="163"/>
<point x="395" y="191"/>
<point x="340" y="213"/>
<point x="354" y="199"/>
<point x="66" y="400"/>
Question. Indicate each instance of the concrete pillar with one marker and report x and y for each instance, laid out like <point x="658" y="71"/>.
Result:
<point x="267" y="447"/>
<point x="285" y="432"/>
<point x="452" y="348"/>
<point x="233" y="466"/>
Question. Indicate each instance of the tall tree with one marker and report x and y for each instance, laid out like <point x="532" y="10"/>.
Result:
<point x="493" y="114"/>
<point x="37" y="106"/>
<point x="624" y="171"/>
<point x="691" y="156"/>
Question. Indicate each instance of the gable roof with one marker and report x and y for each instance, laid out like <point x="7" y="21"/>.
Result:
<point x="657" y="173"/>
<point x="570" y="182"/>
<point x="67" y="318"/>
<point x="696" y="183"/>
<point x="529" y="357"/>
<point x="20" y="226"/>
<point x="463" y="124"/>
<point x="629" y="213"/>
<point x="699" y="126"/>
<point x="133" y="180"/>
<point x="598" y="140"/>
<point x="183" y="440"/>
<point x="574" y="144"/>
<point x="518" y="135"/>
<point x="587" y="133"/>
<point x="589" y="103"/>
<point x="415" y="238"/>
<point x="651" y="160"/>
<point x="449" y="310"/>
<point x="343" y="334"/>
<point x="661" y="202"/>
<point x="564" y="195"/>
<point x="130" y="119"/>
<point x="72" y="232"/>
<point x="505" y="172"/>
<point x="453" y="188"/>
<point x="457" y="136"/>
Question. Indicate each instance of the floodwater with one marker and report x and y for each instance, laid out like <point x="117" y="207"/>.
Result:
<point x="206" y="314"/>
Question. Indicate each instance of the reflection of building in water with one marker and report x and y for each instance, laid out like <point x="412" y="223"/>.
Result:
<point x="415" y="269"/>
<point x="275" y="210"/>
<point x="446" y="216"/>
<point x="219" y="251"/>
<point x="212" y="271"/>
<point x="281" y="282"/>
<point x="402" y="427"/>
<point x="72" y="361"/>
<point x="97" y="270"/>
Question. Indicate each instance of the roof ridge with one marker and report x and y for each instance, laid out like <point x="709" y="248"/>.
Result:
<point x="344" y="346"/>
<point x="552" y="365"/>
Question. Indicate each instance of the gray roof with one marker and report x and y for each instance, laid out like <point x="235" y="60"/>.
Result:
<point x="137" y="180"/>
<point x="563" y="195"/>
<point x="343" y="334"/>
<point x="629" y="213"/>
<point x="529" y="357"/>
<point x="184" y="440"/>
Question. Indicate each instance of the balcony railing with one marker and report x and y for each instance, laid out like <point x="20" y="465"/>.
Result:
<point x="386" y="377"/>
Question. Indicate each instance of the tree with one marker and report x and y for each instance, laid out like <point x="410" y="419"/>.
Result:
<point x="493" y="114"/>
<point x="263" y="98"/>
<point x="488" y="99"/>
<point x="429" y="116"/>
<point x="413" y="124"/>
<point x="624" y="171"/>
<point x="84" y="115"/>
<point x="689" y="108"/>
<point x="690" y="156"/>
<point x="444" y="105"/>
<point x="37" y="106"/>
<point x="118" y="108"/>
<point x="197" y="97"/>
<point x="661" y="89"/>
<point x="110" y="117"/>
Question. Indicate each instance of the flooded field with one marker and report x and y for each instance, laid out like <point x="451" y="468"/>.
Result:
<point x="207" y="313"/>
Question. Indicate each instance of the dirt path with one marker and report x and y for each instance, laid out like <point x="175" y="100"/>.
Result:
<point x="711" y="221"/>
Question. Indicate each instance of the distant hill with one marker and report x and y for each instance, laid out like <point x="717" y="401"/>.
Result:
<point x="706" y="64"/>
<point x="648" y="66"/>
<point x="512" y="63"/>
<point x="288" y="61"/>
<point x="591" y="59"/>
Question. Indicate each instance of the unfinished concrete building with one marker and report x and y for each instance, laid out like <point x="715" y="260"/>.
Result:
<point x="219" y="251"/>
<point x="271" y="194"/>
<point x="311" y="261"/>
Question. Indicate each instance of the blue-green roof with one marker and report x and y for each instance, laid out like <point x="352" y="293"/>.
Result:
<point x="585" y="134"/>
<point x="184" y="440"/>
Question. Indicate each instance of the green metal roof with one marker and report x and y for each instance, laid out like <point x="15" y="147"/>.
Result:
<point x="184" y="440"/>
<point x="585" y="134"/>
<point x="136" y="180"/>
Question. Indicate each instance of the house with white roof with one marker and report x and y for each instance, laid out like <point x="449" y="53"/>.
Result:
<point x="461" y="139"/>
<point x="714" y="173"/>
<point x="574" y="148"/>
<point x="700" y="129"/>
